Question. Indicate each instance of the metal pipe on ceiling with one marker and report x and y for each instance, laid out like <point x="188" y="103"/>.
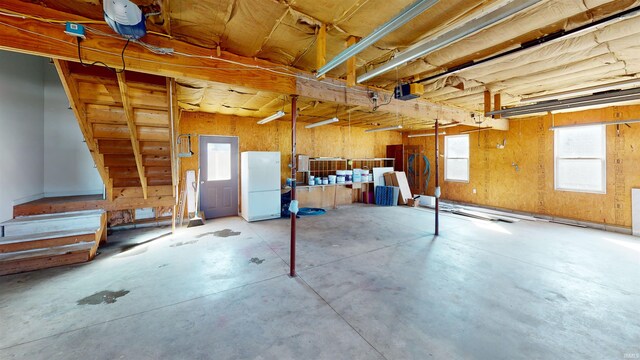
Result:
<point x="618" y="85"/>
<point x="582" y="101"/>
<point x="449" y="37"/>
<point x="560" y="35"/>
<point x="406" y="15"/>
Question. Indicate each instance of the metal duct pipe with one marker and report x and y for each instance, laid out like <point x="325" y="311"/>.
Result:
<point x="402" y="18"/>
<point x="449" y="37"/>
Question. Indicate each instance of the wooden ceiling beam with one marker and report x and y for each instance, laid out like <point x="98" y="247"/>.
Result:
<point x="337" y="91"/>
<point x="47" y="39"/>
<point x="79" y="110"/>
<point x="133" y="131"/>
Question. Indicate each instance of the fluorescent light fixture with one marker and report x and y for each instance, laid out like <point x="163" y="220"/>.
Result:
<point x="402" y="18"/>
<point x="432" y="44"/>
<point x="476" y="130"/>
<point x="584" y="91"/>
<point x="323" y="122"/>
<point x="277" y="115"/>
<point x="384" y="129"/>
<point x="619" y="122"/>
<point x="572" y="103"/>
<point x="421" y="135"/>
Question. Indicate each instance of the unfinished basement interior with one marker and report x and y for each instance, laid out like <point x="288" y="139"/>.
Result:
<point x="319" y="179"/>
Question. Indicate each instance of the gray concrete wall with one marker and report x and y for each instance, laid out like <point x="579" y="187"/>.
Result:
<point x="68" y="166"/>
<point x="21" y="130"/>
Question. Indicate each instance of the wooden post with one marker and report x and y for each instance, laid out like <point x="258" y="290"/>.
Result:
<point x="321" y="47"/>
<point x="437" y="225"/>
<point x="351" y="63"/>
<point x="294" y="116"/>
<point x="487" y="102"/>
<point x="497" y="104"/>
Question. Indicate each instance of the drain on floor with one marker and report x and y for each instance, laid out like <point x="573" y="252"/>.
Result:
<point x="107" y="297"/>
<point x="220" y="233"/>
<point x="256" y="261"/>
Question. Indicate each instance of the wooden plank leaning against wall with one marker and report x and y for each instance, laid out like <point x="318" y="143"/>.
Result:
<point x="531" y="188"/>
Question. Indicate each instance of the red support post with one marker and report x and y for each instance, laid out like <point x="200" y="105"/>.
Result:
<point x="437" y="195"/>
<point x="294" y="116"/>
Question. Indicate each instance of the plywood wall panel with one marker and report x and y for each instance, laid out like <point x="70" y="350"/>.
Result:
<point x="334" y="141"/>
<point x="529" y="144"/>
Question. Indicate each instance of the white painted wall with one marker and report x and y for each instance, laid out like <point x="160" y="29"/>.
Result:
<point x="21" y="130"/>
<point x="68" y="166"/>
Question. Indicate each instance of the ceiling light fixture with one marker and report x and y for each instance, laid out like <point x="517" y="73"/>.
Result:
<point x="422" y="135"/>
<point x="323" y="122"/>
<point x="432" y="44"/>
<point x="277" y="115"/>
<point x="384" y="129"/>
<point x="402" y="18"/>
<point x="571" y="103"/>
<point x="584" y="91"/>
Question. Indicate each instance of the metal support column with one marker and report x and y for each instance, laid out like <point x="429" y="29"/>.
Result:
<point x="437" y="188"/>
<point x="294" y="116"/>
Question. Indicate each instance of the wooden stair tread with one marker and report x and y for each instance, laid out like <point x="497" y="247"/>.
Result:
<point x="53" y="251"/>
<point x="47" y="235"/>
<point x="44" y="262"/>
<point x="56" y="216"/>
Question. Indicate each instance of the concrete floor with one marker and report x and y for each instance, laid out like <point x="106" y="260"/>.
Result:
<point x="374" y="284"/>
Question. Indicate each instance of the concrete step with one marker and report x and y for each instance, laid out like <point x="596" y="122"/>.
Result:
<point x="38" y="224"/>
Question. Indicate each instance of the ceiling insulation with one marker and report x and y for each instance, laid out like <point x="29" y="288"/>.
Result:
<point x="285" y="31"/>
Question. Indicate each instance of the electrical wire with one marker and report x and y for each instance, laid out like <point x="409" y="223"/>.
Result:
<point x="124" y="64"/>
<point x="279" y="70"/>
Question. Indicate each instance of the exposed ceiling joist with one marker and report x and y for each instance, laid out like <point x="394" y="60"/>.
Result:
<point x="48" y="39"/>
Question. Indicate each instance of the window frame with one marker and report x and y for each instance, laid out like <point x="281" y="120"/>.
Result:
<point x="468" y="158"/>
<point x="602" y="159"/>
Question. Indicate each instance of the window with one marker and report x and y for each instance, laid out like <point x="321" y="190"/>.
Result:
<point x="456" y="158"/>
<point x="580" y="159"/>
<point x="218" y="162"/>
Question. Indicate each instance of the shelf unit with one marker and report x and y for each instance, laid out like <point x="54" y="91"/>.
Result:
<point x="323" y="167"/>
<point x="369" y="164"/>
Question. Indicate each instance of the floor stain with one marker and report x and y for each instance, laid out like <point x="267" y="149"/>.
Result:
<point x="221" y="233"/>
<point x="190" y="242"/>
<point x="256" y="261"/>
<point x="107" y="297"/>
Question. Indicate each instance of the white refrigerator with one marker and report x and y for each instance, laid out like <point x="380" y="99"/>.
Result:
<point x="260" y="185"/>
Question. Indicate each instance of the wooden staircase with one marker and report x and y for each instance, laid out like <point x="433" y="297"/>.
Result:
<point x="43" y="241"/>
<point x="128" y="125"/>
<point x="126" y="121"/>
